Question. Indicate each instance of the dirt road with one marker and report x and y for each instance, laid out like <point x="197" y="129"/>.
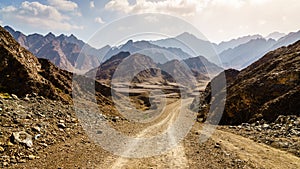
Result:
<point x="221" y="150"/>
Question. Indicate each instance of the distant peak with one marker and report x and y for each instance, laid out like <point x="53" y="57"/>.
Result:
<point x="61" y="36"/>
<point x="186" y="34"/>
<point x="50" y="34"/>
<point x="9" y="29"/>
<point x="72" y="36"/>
<point x="129" y="42"/>
<point x="275" y="35"/>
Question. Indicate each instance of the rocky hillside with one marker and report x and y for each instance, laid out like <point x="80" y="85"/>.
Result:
<point x="184" y="70"/>
<point x="66" y="52"/>
<point x="22" y="73"/>
<point x="202" y="65"/>
<point x="35" y="97"/>
<point x="264" y="90"/>
<point x="128" y="70"/>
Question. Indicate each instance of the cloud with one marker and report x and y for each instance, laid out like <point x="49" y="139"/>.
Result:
<point x="8" y="9"/>
<point x="63" y="5"/>
<point x="175" y="7"/>
<point x="99" y="20"/>
<point x="178" y="7"/>
<point x="244" y="17"/>
<point x="38" y="15"/>
<point x="49" y="24"/>
<point x="92" y="4"/>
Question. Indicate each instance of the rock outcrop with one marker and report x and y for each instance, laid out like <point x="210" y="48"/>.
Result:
<point x="22" y="73"/>
<point x="264" y="90"/>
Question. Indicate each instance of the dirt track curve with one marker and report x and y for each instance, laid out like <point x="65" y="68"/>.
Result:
<point x="221" y="150"/>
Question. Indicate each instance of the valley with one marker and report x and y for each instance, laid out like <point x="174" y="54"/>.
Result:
<point x="139" y="105"/>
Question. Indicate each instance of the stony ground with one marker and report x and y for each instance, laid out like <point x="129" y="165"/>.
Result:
<point x="40" y="133"/>
<point x="30" y="125"/>
<point x="283" y="133"/>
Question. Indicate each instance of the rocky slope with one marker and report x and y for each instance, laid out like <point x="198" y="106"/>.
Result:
<point x="283" y="133"/>
<point x="35" y="103"/>
<point x="22" y="73"/>
<point x="264" y="90"/>
<point x="185" y="70"/>
<point x="66" y="52"/>
<point x="201" y="65"/>
<point x="130" y="68"/>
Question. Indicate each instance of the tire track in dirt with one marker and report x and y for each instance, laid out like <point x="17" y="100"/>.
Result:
<point x="176" y="157"/>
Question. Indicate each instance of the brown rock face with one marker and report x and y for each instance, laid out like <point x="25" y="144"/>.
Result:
<point x="22" y="73"/>
<point x="264" y="90"/>
<point x="66" y="52"/>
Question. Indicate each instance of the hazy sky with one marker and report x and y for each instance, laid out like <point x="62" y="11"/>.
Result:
<point x="217" y="19"/>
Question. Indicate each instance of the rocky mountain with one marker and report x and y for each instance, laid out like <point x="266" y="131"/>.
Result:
<point x="106" y="70"/>
<point x="264" y="90"/>
<point x="275" y="35"/>
<point x="66" y="52"/>
<point x="202" y="65"/>
<point x="190" y="44"/>
<point x="157" y="53"/>
<point x="36" y="104"/>
<point x="195" y="46"/>
<point x="184" y="70"/>
<point x="124" y="67"/>
<point x="245" y="54"/>
<point x="22" y="73"/>
<point x="236" y="53"/>
<point x="225" y="45"/>
<point x="72" y="54"/>
<point x="287" y="40"/>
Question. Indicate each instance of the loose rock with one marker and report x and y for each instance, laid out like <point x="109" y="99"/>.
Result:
<point x="15" y="97"/>
<point x="22" y="137"/>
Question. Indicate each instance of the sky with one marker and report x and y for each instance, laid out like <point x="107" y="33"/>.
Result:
<point x="217" y="20"/>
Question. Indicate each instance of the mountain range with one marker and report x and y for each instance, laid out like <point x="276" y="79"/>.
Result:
<point x="142" y="68"/>
<point x="157" y="53"/>
<point x="24" y="74"/>
<point x="72" y="54"/>
<point x="66" y="52"/>
<point x="264" y="90"/>
<point x="236" y="53"/>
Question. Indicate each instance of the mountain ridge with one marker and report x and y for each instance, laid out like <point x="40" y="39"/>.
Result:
<point x="67" y="52"/>
<point x="264" y="90"/>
